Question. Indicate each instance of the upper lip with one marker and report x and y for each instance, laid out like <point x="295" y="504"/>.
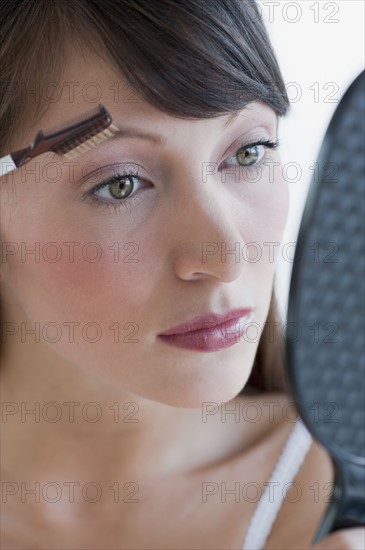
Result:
<point x="207" y="320"/>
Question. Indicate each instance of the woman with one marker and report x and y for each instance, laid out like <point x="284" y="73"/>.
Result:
<point x="135" y="440"/>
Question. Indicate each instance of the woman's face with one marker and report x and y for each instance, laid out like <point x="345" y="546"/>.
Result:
<point x="107" y="277"/>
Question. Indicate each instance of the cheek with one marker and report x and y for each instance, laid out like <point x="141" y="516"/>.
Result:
<point x="96" y="308"/>
<point x="274" y="213"/>
<point x="89" y="281"/>
<point x="265" y="225"/>
<point x="264" y="221"/>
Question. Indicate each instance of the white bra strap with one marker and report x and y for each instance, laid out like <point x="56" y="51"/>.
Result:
<point x="291" y="458"/>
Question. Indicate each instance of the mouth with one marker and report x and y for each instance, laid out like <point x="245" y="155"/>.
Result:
<point x="211" y="335"/>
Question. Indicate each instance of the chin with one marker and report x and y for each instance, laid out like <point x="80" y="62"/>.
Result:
<point x="190" y="394"/>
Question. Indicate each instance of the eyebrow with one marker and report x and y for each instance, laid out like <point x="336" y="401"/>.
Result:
<point x="155" y="139"/>
<point x="231" y="118"/>
<point x="126" y="132"/>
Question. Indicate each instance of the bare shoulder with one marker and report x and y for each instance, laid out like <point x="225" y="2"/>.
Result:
<point x="306" y="501"/>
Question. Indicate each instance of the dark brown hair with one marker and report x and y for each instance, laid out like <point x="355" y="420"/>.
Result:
<point x="192" y="59"/>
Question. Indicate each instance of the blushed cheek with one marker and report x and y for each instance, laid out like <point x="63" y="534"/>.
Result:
<point x="101" y="284"/>
<point x="84" y="311"/>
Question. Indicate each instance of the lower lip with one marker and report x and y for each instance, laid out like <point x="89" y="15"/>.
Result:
<point x="215" y="338"/>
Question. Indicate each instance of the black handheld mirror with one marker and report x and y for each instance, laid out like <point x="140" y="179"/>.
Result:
<point x="326" y="364"/>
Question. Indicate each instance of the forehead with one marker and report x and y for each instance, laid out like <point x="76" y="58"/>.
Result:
<point x="89" y="79"/>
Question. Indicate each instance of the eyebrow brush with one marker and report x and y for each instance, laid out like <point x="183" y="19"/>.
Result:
<point x="82" y="135"/>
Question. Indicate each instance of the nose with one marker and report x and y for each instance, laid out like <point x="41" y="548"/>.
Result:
<point x="207" y="242"/>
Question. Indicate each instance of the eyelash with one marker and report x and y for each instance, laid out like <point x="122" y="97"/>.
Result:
<point x="126" y="203"/>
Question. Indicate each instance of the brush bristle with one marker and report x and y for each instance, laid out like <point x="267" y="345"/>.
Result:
<point x="92" y="142"/>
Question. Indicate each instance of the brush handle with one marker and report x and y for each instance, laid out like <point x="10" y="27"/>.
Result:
<point x="7" y="165"/>
<point x="15" y="160"/>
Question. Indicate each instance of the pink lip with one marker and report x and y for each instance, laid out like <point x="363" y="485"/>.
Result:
<point x="207" y="320"/>
<point x="210" y="332"/>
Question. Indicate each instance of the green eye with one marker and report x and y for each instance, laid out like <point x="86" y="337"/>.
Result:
<point x="121" y="186"/>
<point x="247" y="156"/>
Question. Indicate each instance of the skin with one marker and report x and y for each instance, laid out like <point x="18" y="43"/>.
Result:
<point x="164" y="386"/>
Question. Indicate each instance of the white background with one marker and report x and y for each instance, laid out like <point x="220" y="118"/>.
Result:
<point x="323" y="45"/>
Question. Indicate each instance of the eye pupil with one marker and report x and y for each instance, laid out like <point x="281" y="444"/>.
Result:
<point x="116" y="186"/>
<point x="246" y="155"/>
